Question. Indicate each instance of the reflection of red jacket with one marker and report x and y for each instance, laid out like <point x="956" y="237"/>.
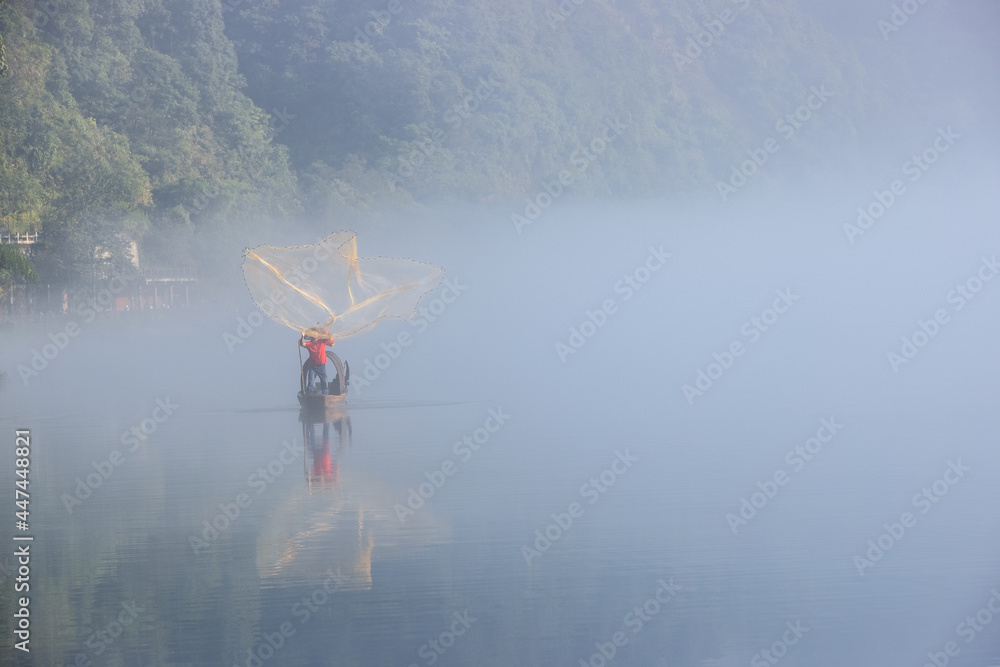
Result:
<point x="324" y="467"/>
<point x="317" y="350"/>
<point x="321" y="462"/>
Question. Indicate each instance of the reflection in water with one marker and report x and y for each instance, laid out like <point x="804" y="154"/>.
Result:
<point x="335" y="520"/>
<point x="321" y="467"/>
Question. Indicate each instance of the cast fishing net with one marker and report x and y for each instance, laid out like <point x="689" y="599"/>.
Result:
<point x="327" y="286"/>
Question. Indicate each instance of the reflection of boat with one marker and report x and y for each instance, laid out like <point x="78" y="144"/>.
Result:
<point x="337" y="522"/>
<point x="336" y="389"/>
<point x="320" y="429"/>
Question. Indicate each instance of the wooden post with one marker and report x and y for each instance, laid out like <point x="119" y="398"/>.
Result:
<point x="302" y="370"/>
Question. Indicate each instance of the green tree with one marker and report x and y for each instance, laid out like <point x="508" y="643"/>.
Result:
<point x="61" y="173"/>
<point x="14" y="265"/>
<point x="4" y="70"/>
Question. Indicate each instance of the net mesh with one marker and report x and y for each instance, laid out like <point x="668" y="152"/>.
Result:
<point x="327" y="286"/>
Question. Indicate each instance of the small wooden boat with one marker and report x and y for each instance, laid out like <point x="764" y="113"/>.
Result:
<point x="320" y="402"/>
<point x="336" y="388"/>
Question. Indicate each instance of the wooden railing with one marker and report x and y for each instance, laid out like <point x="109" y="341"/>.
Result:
<point x="18" y="239"/>
<point x="169" y="274"/>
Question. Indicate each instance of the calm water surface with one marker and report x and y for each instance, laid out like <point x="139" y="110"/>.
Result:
<point x="481" y="502"/>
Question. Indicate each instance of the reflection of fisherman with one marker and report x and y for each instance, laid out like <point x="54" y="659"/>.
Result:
<point x="315" y="365"/>
<point x="324" y="469"/>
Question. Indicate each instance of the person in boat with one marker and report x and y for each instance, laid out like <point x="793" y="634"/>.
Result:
<point x="315" y="365"/>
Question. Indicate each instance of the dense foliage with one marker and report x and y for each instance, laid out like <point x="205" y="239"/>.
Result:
<point x="184" y="125"/>
<point x="124" y="121"/>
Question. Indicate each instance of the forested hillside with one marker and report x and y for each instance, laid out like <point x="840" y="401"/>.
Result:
<point x="185" y="124"/>
<point x="125" y="120"/>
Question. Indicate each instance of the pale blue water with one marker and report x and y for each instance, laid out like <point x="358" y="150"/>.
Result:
<point x="326" y="564"/>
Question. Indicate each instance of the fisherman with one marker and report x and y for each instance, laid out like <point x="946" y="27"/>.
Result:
<point x="315" y="365"/>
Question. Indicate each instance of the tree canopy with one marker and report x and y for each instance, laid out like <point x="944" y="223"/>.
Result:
<point x="186" y="125"/>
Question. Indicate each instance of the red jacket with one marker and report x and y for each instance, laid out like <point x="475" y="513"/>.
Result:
<point x="317" y="350"/>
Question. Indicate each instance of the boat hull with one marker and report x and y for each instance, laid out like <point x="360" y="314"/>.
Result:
<point x="320" y="402"/>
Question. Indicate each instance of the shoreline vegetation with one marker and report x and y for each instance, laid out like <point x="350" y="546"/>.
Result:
<point x="137" y="136"/>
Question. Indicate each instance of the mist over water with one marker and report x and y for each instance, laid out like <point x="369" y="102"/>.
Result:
<point x="697" y="510"/>
<point x="736" y="427"/>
